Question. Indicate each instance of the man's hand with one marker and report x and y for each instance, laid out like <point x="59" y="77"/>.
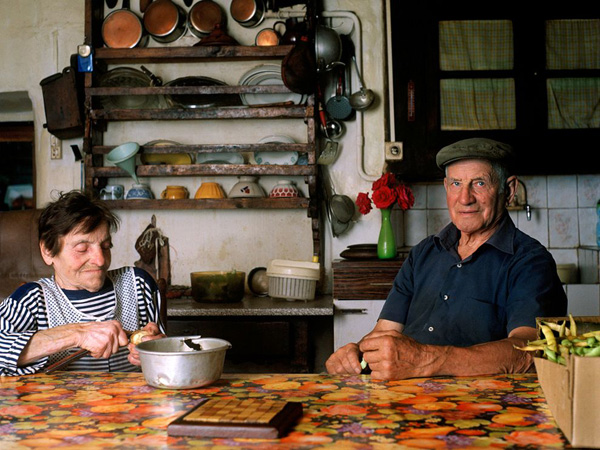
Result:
<point x="153" y="333"/>
<point x="394" y="356"/>
<point x="345" y="360"/>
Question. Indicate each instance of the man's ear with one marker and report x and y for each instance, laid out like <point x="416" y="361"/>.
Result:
<point x="511" y="188"/>
<point x="46" y="256"/>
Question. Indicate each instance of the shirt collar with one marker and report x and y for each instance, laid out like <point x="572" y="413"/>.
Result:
<point x="502" y="238"/>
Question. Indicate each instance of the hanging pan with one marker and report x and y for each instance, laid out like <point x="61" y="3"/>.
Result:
<point x="122" y="28"/>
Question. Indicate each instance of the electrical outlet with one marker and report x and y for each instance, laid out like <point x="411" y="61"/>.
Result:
<point x="55" y="148"/>
<point x="394" y="151"/>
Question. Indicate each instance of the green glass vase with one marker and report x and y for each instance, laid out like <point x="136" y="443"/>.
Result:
<point x="386" y="245"/>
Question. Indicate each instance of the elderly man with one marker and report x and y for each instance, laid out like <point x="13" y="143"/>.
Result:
<point x="464" y="298"/>
<point x="83" y="305"/>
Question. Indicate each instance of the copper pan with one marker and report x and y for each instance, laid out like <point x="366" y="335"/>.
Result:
<point x="165" y="21"/>
<point x="123" y="29"/>
<point x="204" y="17"/>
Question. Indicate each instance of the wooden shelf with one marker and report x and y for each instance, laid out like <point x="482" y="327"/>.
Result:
<point x="190" y="54"/>
<point x="226" y="203"/>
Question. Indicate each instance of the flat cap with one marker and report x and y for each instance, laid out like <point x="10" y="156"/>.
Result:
<point x="475" y="148"/>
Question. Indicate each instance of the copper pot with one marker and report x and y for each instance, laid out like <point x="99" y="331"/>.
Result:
<point x="165" y="21"/>
<point x="204" y="17"/>
<point x="123" y="29"/>
<point x="248" y="13"/>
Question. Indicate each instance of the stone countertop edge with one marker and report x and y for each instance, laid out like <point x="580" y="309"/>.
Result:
<point x="251" y="306"/>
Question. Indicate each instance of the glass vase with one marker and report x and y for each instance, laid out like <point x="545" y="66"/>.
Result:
<point x="386" y="245"/>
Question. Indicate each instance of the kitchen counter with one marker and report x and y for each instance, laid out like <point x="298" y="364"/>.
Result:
<point x="251" y="306"/>
<point x="119" y="410"/>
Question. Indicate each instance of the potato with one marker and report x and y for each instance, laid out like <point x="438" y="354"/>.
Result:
<point x="136" y="336"/>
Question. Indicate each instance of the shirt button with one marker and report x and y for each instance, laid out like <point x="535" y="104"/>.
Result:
<point x="445" y="297"/>
<point x="459" y="265"/>
<point x="430" y="328"/>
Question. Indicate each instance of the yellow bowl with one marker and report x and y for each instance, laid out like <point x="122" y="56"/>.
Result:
<point x="210" y="190"/>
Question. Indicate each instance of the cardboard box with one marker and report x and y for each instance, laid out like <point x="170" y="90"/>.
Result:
<point x="573" y="390"/>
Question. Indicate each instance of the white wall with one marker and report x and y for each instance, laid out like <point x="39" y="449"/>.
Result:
<point x="38" y="38"/>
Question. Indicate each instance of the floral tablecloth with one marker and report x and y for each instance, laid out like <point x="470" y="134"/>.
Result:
<point x="76" y="410"/>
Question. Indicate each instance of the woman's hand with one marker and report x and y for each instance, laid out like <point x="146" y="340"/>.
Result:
<point x="153" y="332"/>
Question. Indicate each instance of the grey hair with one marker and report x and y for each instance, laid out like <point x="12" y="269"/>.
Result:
<point x="500" y="174"/>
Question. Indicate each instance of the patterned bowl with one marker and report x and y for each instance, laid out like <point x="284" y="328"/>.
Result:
<point x="284" y="189"/>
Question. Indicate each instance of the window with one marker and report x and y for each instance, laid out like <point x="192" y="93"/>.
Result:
<point x="531" y="80"/>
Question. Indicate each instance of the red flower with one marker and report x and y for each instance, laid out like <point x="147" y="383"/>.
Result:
<point x="364" y="203"/>
<point x="387" y="190"/>
<point x="384" y="197"/>
<point x="406" y="199"/>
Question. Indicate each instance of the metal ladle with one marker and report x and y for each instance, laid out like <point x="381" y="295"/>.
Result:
<point x="363" y="98"/>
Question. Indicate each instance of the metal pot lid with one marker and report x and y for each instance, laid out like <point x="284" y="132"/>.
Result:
<point x="161" y="18"/>
<point x="204" y="16"/>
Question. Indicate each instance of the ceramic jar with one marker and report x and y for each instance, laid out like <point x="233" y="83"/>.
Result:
<point x="174" y="193"/>
<point x="283" y="189"/>
<point x="138" y="191"/>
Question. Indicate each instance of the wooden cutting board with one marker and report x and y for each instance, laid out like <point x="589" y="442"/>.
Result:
<point x="248" y="418"/>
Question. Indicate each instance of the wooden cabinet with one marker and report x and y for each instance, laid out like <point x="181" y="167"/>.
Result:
<point x="96" y="174"/>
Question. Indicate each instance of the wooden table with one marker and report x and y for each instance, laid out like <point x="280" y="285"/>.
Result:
<point x="79" y="410"/>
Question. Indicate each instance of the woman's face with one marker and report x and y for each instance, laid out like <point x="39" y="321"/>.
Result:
<point x="83" y="260"/>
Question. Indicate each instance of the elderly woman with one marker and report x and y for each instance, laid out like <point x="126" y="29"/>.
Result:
<point x="83" y="305"/>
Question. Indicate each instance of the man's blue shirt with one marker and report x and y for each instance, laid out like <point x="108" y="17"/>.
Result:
<point x="508" y="282"/>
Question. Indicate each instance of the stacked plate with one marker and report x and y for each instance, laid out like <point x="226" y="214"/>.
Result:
<point x="267" y="75"/>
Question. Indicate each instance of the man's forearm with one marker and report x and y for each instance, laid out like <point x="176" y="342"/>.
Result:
<point x="483" y="359"/>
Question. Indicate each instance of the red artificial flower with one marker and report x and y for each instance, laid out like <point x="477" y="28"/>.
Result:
<point x="387" y="190"/>
<point x="364" y="203"/>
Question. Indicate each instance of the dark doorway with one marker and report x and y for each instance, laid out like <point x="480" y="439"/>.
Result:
<point x="17" y="171"/>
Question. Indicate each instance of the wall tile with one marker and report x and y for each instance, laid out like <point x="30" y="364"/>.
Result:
<point x="587" y="226"/>
<point x="537" y="191"/>
<point x="537" y="227"/>
<point x="415" y="226"/>
<point x="584" y="299"/>
<point x="588" y="260"/>
<point x="420" y="193"/>
<point x="562" y="191"/>
<point x="436" y="220"/>
<point x="563" y="228"/>
<point x="436" y="196"/>
<point x="588" y="190"/>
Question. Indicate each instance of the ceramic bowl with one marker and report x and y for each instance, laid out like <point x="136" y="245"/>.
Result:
<point x="284" y="189"/>
<point x="138" y="191"/>
<point x="210" y="190"/>
<point x="246" y="187"/>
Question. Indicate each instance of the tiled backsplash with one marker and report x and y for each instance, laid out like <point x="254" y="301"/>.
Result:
<point x="563" y="218"/>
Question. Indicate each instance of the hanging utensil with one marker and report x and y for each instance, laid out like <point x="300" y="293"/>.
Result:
<point x="338" y="227"/>
<point x="339" y="106"/>
<point x="363" y="98"/>
<point x="330" y="152"/>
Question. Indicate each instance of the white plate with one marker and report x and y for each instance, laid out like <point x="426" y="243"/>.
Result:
<point x="267" y="75"/>
<point x="276" y="158"/>
<point x="219" y="158"/>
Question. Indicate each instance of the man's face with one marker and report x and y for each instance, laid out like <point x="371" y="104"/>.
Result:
<point x="472" y="195"/>
<point x="83" y="259"/>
